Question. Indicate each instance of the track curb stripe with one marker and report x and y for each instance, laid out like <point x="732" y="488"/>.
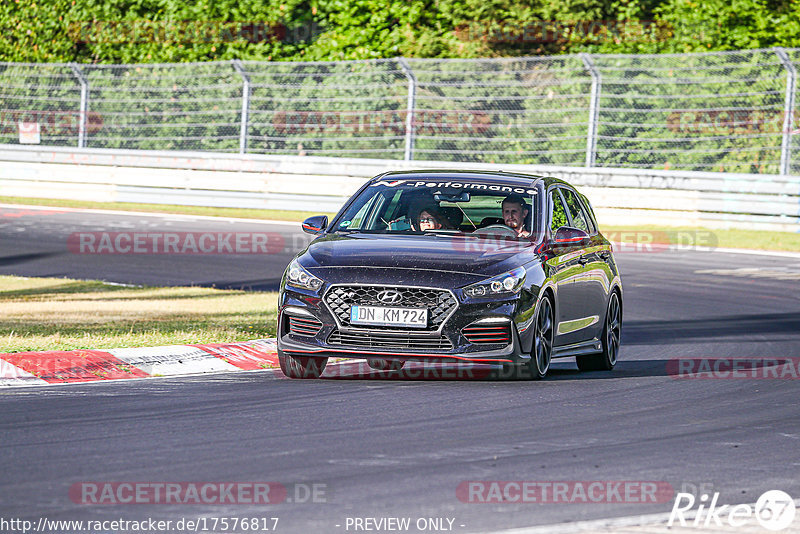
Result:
<point x="247" y="356"/>
<point x="11" y="375"/>
<point x="62" y="367"/>
<point x="56" y="367"/>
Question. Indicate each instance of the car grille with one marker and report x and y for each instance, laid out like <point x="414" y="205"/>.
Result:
<point x="439" y="302"/>
<point x="304" y="326"/>
<point x="488" y="333"/>
<point x="383" y="340"/>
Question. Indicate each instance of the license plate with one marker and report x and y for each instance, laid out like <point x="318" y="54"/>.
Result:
<point x="383" y="316"/>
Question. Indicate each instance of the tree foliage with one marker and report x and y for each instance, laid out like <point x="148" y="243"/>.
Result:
<point x="148" y="31"/>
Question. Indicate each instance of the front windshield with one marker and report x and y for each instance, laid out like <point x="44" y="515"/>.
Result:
<point x="435" y="207"/>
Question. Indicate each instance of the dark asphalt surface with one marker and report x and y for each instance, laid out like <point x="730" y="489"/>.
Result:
<point x="400" y="448"/>
<point x="35" y="242"/>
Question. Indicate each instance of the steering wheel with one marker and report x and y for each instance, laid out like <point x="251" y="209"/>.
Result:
<point x="496" y="229"/>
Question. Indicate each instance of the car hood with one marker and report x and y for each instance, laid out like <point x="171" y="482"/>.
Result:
<point x="455" y="254"/>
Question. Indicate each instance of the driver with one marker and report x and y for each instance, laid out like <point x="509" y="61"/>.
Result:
<point x="515" y="210"/>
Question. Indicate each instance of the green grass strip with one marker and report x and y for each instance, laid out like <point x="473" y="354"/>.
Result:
<point x="64" y="314"/>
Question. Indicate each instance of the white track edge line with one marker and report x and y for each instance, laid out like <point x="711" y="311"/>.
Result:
<point x="582" y="526"/>
<point x="150" y="214"/>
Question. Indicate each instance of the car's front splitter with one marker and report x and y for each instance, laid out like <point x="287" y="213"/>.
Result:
<point x="512" y="353"/>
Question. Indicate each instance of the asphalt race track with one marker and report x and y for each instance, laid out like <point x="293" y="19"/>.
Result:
<point x="36" y="242"/>
<point x="400" y="448"/>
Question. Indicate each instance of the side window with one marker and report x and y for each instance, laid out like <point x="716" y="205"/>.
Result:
<point x="590" y="216"/>
<point x="359" y="220"/>
<point x="579" y="218"/>
<point x="559" y="213"/>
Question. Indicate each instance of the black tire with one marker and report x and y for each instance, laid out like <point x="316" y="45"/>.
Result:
<point x="301" y="366"/>
<point x="542" y="349"/>
<point x="385" y="365"/>
<point x="605" y="361"/>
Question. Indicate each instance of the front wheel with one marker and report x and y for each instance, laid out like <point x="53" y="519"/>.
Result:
<point x="542" y="341"/>
<point x="541" y="352"/>
<point x="606" y="360"/>
<point x="301" y="366"/>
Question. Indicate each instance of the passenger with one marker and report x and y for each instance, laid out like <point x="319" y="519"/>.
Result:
<point x="515" y="213"/>
<point x="429" y="217"/>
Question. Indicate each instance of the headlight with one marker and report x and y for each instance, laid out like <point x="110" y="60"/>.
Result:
<point x="509" y="283"/>
<point x="296" y="276"/>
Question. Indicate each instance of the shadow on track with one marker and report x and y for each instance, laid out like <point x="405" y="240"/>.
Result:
<point x="689" y="330"/>
<point x="6" y="261"/>
<point x="415" y="371"/>
<point x="263" y="284"/>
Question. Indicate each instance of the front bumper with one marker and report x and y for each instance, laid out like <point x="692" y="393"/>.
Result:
<point x="459" y="348"/>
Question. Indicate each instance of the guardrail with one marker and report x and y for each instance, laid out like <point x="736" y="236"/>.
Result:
<point x="620" y="196"/>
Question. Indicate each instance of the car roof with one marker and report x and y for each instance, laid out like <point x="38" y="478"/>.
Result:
<point x="498" y="177"/>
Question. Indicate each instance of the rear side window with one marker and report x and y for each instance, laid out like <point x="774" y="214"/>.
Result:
<point x="580" y="219"/>
<point x="559" y="212"/>
<point x="589" y="211"/>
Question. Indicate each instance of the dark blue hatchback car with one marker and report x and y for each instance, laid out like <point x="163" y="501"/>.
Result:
<point x="449" y="266"/>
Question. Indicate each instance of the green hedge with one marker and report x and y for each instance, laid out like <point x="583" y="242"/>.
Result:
<point x="147" y="31"/>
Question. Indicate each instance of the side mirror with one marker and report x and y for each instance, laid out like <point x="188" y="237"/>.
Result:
<point x="566" y="235"/>
<point x="315" y="225"/>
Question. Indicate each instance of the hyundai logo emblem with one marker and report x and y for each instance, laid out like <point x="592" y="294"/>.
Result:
<point x="390" y="296"/>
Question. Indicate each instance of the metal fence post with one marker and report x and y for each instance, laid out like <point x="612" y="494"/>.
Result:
<point x="594" y="110"/>
<point x="76" y="70"/>
<point x="237" y="64"/>
<point x="412" y="95"/>
<point x="788" y="111"/>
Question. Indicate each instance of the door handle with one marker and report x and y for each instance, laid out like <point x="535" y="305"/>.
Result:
<point x="605" y="255"/>
<point x="583" y="260"/>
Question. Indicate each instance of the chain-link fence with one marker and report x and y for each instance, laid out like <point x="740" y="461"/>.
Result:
<point x="723" y="111"/>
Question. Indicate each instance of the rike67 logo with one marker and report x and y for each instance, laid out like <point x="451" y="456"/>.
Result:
<point x="775" y="510"/>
